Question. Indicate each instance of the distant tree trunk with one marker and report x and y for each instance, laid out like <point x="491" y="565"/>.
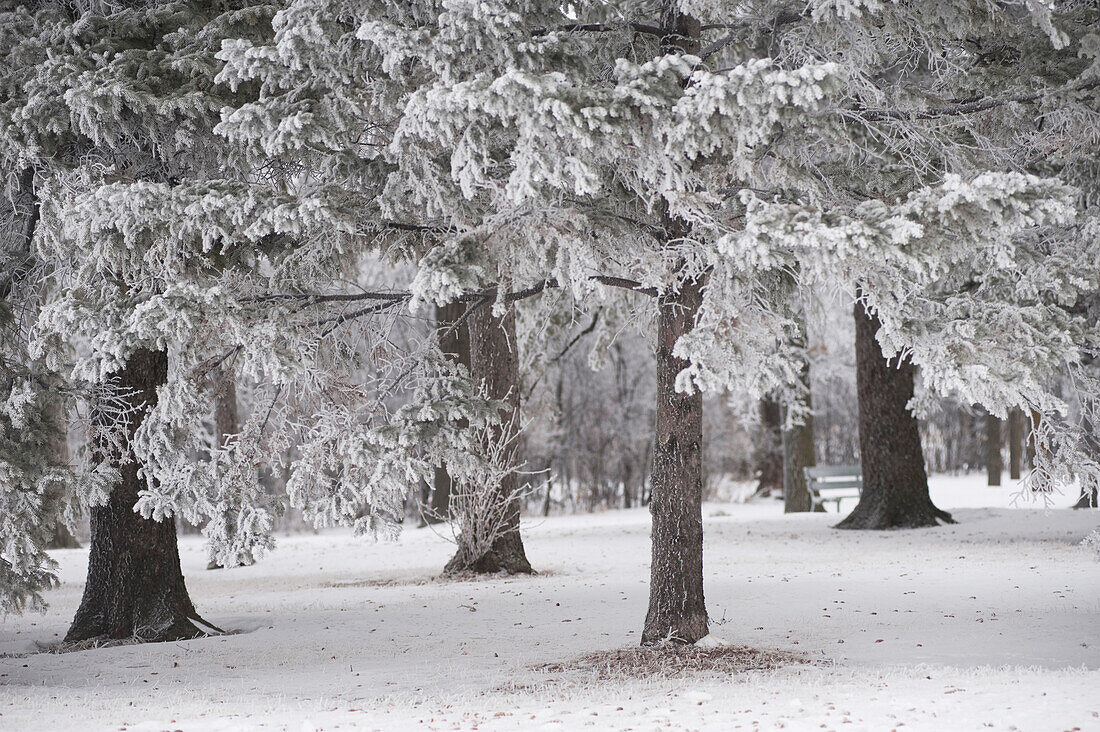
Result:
<point x="135" y="588"/>
<point x="677" y="610"/>
<point x="895" y="485"/>
<point x="994" y="465"/>
<point x="1088" y="497"/>
<point x="1090" y="484"/>
<point x="62" y="537"/>
<point x="226" y="415"/>
<point x="798" y="453"/>
<point x="494" y="362"/>
<point x="769" y="448"/>
<point x="626" y="474"/>
<point x="454" y="340"/>
<point x="1015" y="443"/>
<point x="227" y="423"/>
<point x="1033" y="425"/>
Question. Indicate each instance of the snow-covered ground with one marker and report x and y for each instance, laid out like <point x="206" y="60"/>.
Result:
<point x="992" y="623"/>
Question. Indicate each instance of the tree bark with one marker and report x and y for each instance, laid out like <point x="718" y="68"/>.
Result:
<point x="226" y="415"/>
<point x="1088" y="497"/>
<point x="677" y="611"/>
<point x="769" y="448"/>
<point x="994" y="464"/>
<point x="1015" y="443"/>
<point x="135" y="587"/>
<point x="454" y="340"/>
<point x="798" y="453"/>
<point x="494" y="362"/>
<point x="895" y="485"/>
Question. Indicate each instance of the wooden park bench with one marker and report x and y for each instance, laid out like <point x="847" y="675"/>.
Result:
<point x="833" y="483"/>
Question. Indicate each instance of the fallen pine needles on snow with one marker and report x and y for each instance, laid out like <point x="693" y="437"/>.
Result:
<point x="675" y="661"/>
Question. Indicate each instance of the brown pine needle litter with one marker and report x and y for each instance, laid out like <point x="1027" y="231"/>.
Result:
<point x="670" y="660"/>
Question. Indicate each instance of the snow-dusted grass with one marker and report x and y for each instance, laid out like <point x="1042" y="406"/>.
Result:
<point x="995" y="621"/>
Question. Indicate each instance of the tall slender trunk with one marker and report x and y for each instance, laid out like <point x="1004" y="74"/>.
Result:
<point x="994" y="464"/>
<point x="495" y="362"/>
<point x="895" y="485"/>
<point x="227" y="419"/>
<point x="227" y="422"/>
<point x="62" y="538"/>
<point x="1030" y="447"/>
<point x="454" y="340"/>
<point x="798" y="453"/>
<point x="677" y="610"/>
<point x="1015" y="443"/>
<point x="135" y="587"/>
<point x="1090" y="485"/>
<point x="769" y="448"/>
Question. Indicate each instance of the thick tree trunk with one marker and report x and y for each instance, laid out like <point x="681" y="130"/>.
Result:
<point x="1015" y="443"/>
<point x="994" y="464"/>
<point x="454" y="340"/>
<point x="798" y="453"/>
<point x="495" y="362"/>
<point x="769" y="448"/>
<point x="135" y="588"/>
<point x="895" y="485"/>
<point x="677" y="610"/>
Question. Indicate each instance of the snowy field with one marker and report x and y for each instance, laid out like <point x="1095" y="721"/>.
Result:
<point x="990" y="624"/>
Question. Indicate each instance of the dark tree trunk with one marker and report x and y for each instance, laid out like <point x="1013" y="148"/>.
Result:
<point x="677" y="611"/>
<point x="1015" y="443"/>
<point x="494" y="362"/>
<point x="994" y="465"/>
<point x="62" y="538"/>
<point x="454" y="340"/>
<point x="1088" y="498"/>
<point x="135" y="588"/>
<point x="895" y="485"/>
<point x="769" y="448"/>
<point x="1090" y="486"/>
<point x="798" y="453"/>
<point x="226" y="416"/>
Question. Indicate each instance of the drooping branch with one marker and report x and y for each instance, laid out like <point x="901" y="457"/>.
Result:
<point x="394" y="297"/>
<point x="963" y="107"/>
<point x="649" y="30"/>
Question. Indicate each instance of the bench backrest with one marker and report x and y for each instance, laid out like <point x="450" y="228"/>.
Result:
<point x="833" y="476"/>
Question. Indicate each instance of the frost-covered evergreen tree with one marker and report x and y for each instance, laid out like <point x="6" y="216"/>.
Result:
<point x="209" y="187"/>
<point x="705" y="152"/>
